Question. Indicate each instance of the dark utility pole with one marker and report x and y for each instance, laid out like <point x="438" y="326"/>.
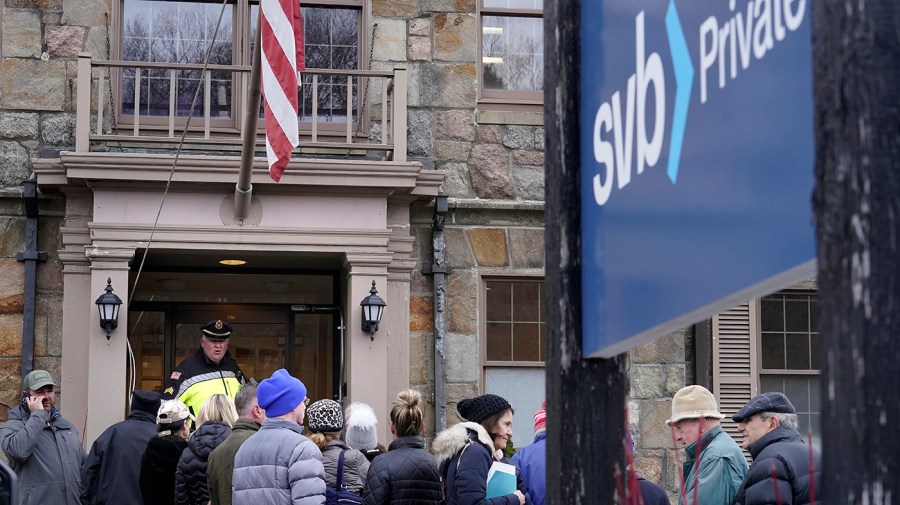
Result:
<point x="585" y="398"/>
<point x="856" y="48"/>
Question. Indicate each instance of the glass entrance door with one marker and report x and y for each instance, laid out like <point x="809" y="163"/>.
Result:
<point x="264" y="339"/>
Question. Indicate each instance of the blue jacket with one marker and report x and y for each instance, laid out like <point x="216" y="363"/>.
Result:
<point x="532" y="463"/>
<point x="463" y="454"/>
<point x="719" y="473"/>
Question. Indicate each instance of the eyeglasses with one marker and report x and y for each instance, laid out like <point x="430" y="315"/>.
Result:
<point x="306" y="402"/>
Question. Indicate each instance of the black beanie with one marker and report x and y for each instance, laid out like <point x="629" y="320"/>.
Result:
<point x="482" y="407"/>
<point x="145" y="401"/>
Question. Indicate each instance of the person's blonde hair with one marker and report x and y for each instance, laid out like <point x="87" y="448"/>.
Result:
<point x="321" y="439"/>
<point x="406" y="414"/>
<point x="218" y="407"/>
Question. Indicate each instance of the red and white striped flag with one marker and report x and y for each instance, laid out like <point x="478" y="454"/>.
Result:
<point x="282" y="57"/>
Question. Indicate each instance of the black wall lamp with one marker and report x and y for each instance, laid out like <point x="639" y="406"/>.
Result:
<point x="108" y="305"/>
<point x="372" y="310"/>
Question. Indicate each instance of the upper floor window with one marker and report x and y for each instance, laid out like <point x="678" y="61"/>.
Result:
<point x="512" y="51"/>
<point x="170" y="31"/>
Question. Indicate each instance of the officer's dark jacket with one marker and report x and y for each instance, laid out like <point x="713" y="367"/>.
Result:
<point x="112" y="469"/>
<point x="197" y="378"/>
<point x="780" y="459"/>
<point x="406" y="474"/>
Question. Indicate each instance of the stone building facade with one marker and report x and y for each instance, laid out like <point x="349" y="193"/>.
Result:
<point x="489" y="154"/>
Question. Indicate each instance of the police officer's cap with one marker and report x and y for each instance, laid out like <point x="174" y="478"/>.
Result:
<point x="217" y="330"/>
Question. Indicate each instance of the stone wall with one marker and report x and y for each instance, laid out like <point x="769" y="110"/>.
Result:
<point x="479" y="242"/>
<point x="40" y="43"/>
<point x="657" y="371"/>
<point x="493" y="160"/>
<point x="493" y="176"/>
<point x="48" y="309"/>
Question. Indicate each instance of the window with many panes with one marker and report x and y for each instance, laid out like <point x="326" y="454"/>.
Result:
<point x="171" y="31"/>
<point x="513" y="346"/>
<point x="512" y="51"/>
<point x="789" y="353"/>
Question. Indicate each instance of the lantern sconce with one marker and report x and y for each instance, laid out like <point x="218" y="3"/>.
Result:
<point x="372" y="310"/>
<point x="108" y="305"/>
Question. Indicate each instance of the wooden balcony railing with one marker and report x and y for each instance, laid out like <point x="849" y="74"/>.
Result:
<point x="381" y="93"/>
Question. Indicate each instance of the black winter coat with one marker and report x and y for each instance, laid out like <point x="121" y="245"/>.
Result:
<point x="783" y="450"/>
<point x="111" y="472"/>
<point x="190" y="478"/>
<point x="158" y="467"/>
<point x="405" y="475"/>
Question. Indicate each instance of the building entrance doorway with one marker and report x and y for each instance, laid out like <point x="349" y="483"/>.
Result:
<point x="265" y="338"/>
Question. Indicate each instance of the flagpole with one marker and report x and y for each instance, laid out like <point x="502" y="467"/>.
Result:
<point x="243" y="190"/>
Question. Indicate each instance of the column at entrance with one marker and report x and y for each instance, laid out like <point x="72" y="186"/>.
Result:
<point x="106" y="377"/>
<point x="76" y="311"/>
<point x="368" y="360"/>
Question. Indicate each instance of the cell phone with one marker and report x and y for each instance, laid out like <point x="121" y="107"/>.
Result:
<point x="25" y="396"/>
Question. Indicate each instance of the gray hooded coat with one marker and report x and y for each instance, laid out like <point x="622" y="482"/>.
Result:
<point x="46" y="457"/>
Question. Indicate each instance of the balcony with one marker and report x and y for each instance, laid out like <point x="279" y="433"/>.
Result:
<point x="370" y="118"/>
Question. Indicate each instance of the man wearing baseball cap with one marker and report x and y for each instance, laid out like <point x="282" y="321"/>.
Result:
<point x="278" y="465"/>
<point x="715" y="466"/>
<point x="781" y="460"/>
<point x="211" y="370"/>
<point x="43" y="448"/>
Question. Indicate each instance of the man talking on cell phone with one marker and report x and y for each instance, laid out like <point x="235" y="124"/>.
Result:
<point x="43" y="448"/>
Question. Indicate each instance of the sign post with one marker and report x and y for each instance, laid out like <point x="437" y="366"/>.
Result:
<point x="585" y="398"/>
<point x="856" y="206"/>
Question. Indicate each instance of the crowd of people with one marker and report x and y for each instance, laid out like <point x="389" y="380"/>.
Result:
<point x="267" y="444"/>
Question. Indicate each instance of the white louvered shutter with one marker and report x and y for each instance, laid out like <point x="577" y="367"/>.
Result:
<point x="735" y="367"/>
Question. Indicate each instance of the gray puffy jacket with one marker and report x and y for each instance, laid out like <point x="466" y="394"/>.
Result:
<point x="47" y="458"/>
<point x="278" y="466"/>
<point x="356" y="466"/>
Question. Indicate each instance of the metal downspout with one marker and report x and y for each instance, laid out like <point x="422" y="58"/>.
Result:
<point x="439" y="270"/>
<point x="31" y="256"/>
<point x="243" y="190"/>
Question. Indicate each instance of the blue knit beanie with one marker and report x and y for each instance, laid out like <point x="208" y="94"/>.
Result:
<point x="280" y="393"/>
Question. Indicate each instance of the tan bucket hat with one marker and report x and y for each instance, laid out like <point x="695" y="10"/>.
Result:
<point x="693" y="402"/>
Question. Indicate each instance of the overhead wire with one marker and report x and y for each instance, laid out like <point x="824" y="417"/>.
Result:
<point x="168" y="184"/>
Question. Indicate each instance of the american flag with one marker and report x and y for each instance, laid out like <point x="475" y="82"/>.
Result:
<point x="282" y="58"/>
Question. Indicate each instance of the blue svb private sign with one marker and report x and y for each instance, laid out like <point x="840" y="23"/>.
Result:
<point x="697" y="148"/>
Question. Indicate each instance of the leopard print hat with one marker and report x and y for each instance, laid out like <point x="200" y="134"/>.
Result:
<point x="325" y="416"/>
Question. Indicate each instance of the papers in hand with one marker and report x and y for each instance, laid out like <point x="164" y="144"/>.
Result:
<point x="501" y="480"/>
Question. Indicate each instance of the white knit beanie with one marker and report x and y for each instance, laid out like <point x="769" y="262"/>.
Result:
<point x="361" y="432"/>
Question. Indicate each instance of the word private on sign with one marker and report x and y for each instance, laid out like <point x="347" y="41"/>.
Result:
<point x="729" y="44"/>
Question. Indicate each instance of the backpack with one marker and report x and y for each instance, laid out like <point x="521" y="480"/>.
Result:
<point x="341" y="496"/>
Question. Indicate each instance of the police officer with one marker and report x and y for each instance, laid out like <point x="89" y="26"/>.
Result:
<point x="210" y="371"/>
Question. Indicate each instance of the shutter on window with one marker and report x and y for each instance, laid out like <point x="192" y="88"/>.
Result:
<point x="735" y="368"/>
